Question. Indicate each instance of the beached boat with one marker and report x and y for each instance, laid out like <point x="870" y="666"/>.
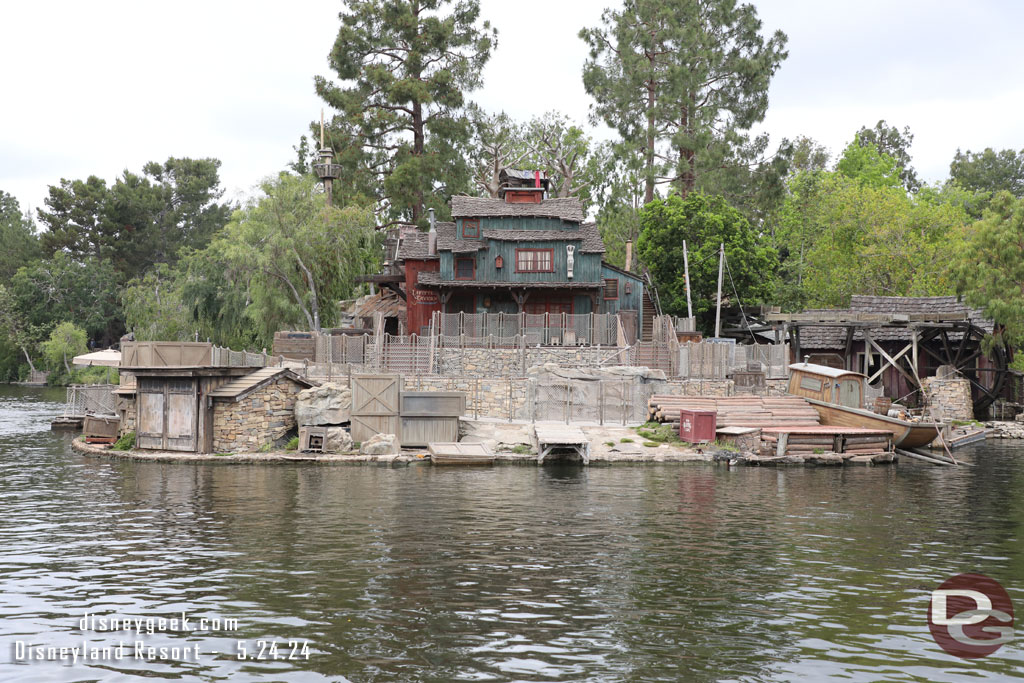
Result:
<point x="460" y="454"/>
<point x="837" y="395"/>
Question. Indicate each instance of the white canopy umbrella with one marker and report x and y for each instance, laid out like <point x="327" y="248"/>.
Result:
<point x="107" y="357"/>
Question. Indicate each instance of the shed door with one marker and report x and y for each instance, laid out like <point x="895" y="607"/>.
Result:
<point x="167" y="414"/>
<point x="149" y="430"/>
<point x="181" y="415"/>
<point x="849" y="393"/>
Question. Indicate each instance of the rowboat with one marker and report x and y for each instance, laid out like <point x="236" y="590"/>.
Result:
<point x="837" y="395"/>
<point x="905" y="434"/>
<point x="460" y="454"/>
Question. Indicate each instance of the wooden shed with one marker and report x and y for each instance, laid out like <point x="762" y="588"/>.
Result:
<point x="828" y="384"/>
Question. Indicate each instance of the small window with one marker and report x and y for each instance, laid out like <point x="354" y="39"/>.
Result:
<point x="535" y="260"/>
<point x="611" y="289"/>
<point x="465" y="268"/>
<point x="810" y="383"/>
<point x="470" y="228"/>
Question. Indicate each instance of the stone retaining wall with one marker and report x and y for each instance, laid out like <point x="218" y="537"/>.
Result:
<point x="948" y="399"/>
<point x="261" y="417"/>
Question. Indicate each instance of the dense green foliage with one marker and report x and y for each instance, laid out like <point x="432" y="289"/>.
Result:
<point x="704" y="222"/>
<point x="17" y="236"/>
<point x="282" y="262"/>
<point x="989" y="171"/>
<point x="403" y="67"/>
<point x="991" y="270"/>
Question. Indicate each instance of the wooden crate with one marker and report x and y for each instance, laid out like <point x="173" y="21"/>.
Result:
<point x="101" y="426"/>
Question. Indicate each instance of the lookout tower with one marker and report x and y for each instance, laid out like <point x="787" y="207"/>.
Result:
<point x="327" y="170"/>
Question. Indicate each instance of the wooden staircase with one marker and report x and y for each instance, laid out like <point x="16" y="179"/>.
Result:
<point x="649" y="312"/>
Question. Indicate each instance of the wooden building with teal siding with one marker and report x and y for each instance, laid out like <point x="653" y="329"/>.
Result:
<point x="519" y="253"/>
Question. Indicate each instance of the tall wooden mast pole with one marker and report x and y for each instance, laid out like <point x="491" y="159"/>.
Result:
<point x="718" y="308"/>
<point x="686" y="271"/>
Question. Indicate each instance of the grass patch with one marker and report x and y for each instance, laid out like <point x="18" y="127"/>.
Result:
<point x="651" y="444"/>
<point x="522" y="449"/>
<point x="293" y="444"/>
<point x="268" y="446"/>
<point x="660" y="433"/>
<point x="625" y="439"/>
<point x="725" y="446"/>
<point x="609" y="443"/>
<point x="966" y="423"/>
<point x="125" y="443"/>
<point x="223" y="454"/>
<point x="818" y="451"/>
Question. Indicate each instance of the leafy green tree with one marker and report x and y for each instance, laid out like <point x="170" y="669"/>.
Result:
<point x="18" y="237"/>
<point x="866" y="165"/>
<point x="154" y="306"/>
<point x="620" y="195"/>
<point x="839" y="236"/>
<point x="291" y="255"/>
<point x="404" y="67"/>
<point x="704" y="222"/>
<point x="989" y="171"/>
<point x="990" y="267"/>
<point x="15" y="331"/>
<point x="139" y="220"/>
<point x="66" y="341"/>
<point x="892" y="141"/>
<point x="87" y="291"/>
<point x="682" y="81"/>
<point x="808" y="155"/>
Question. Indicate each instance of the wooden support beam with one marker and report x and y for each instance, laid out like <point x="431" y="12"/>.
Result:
<point x="895" y="358"/>
<point x="849" y="348"/>
<point x="889" y="359"/>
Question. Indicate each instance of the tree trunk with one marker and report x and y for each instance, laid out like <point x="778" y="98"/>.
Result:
<point x="417" y="151"/>
<point x="66" y="366"/>
<point x="649" y="151"/>
<point x="31" y="365"/>
<point x="314" y="301"/>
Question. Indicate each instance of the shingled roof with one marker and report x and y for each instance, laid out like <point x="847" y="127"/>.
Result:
<point x="587" y="233"/>
<point x="565" y="208"/>
<point x="835" y="337"/>
<point x="238" y="389"/>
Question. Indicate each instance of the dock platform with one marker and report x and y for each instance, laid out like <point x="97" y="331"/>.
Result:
<point x="560" y="438"/>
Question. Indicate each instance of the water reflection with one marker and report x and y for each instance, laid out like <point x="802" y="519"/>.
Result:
<point x="506" y="573"/>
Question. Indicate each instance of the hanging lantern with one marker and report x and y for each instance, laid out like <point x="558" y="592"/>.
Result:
<point x="498" y="262"/>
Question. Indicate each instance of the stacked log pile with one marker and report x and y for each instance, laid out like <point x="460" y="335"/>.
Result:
<point x="845" y="440"/>
<point x="737" y="411"/>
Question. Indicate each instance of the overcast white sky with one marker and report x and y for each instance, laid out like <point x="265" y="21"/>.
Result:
<point x="99" y="87"/>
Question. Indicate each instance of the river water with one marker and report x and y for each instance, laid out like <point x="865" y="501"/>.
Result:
<point x="640" y="573"/>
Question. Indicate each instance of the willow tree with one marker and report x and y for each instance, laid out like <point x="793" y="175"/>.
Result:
<point x="683" y="82"/>
<point x="296" y="256"/>
<point x="404" y="67"/>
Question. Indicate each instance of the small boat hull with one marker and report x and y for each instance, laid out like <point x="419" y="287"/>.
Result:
<point x="905" y="434"/>
<point x="458" y="459"/>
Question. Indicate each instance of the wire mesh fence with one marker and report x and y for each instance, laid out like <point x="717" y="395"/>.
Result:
<point x="90" y="399"/>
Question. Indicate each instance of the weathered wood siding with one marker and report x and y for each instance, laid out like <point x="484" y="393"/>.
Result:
<point x="633" y="301"/>
<point x="586" y="267"/>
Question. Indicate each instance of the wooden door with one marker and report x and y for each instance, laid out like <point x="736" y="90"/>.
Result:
<point x="849" y="393"/>
<point x="167" y="414"/>
<point x="181" y="421"/>
<point x="375" y="406"/>
<point x="149" y="428"/>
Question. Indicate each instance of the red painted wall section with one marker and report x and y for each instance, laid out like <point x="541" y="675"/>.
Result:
<point x="420" y="304"/>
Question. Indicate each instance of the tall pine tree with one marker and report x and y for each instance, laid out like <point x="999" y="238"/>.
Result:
<point x="682" y="81"/>
<point x="403" y="69"/>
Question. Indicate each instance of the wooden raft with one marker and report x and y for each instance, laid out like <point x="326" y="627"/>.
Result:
<point x="738" y="411"/>
<point x="560" y="437"/>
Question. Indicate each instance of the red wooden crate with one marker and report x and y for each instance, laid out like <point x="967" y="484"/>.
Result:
<point x="697" y="426"/>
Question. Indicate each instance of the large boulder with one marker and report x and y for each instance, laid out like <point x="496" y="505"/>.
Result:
<point x="327" y="404"/>
<point x="380" y="444"/>
<point x="337" y="440"/>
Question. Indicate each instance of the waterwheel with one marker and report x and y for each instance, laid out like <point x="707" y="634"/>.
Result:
<point x="964" y="354"/>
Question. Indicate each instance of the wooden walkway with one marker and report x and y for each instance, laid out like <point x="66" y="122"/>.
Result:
<point x="563" y="438"/>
